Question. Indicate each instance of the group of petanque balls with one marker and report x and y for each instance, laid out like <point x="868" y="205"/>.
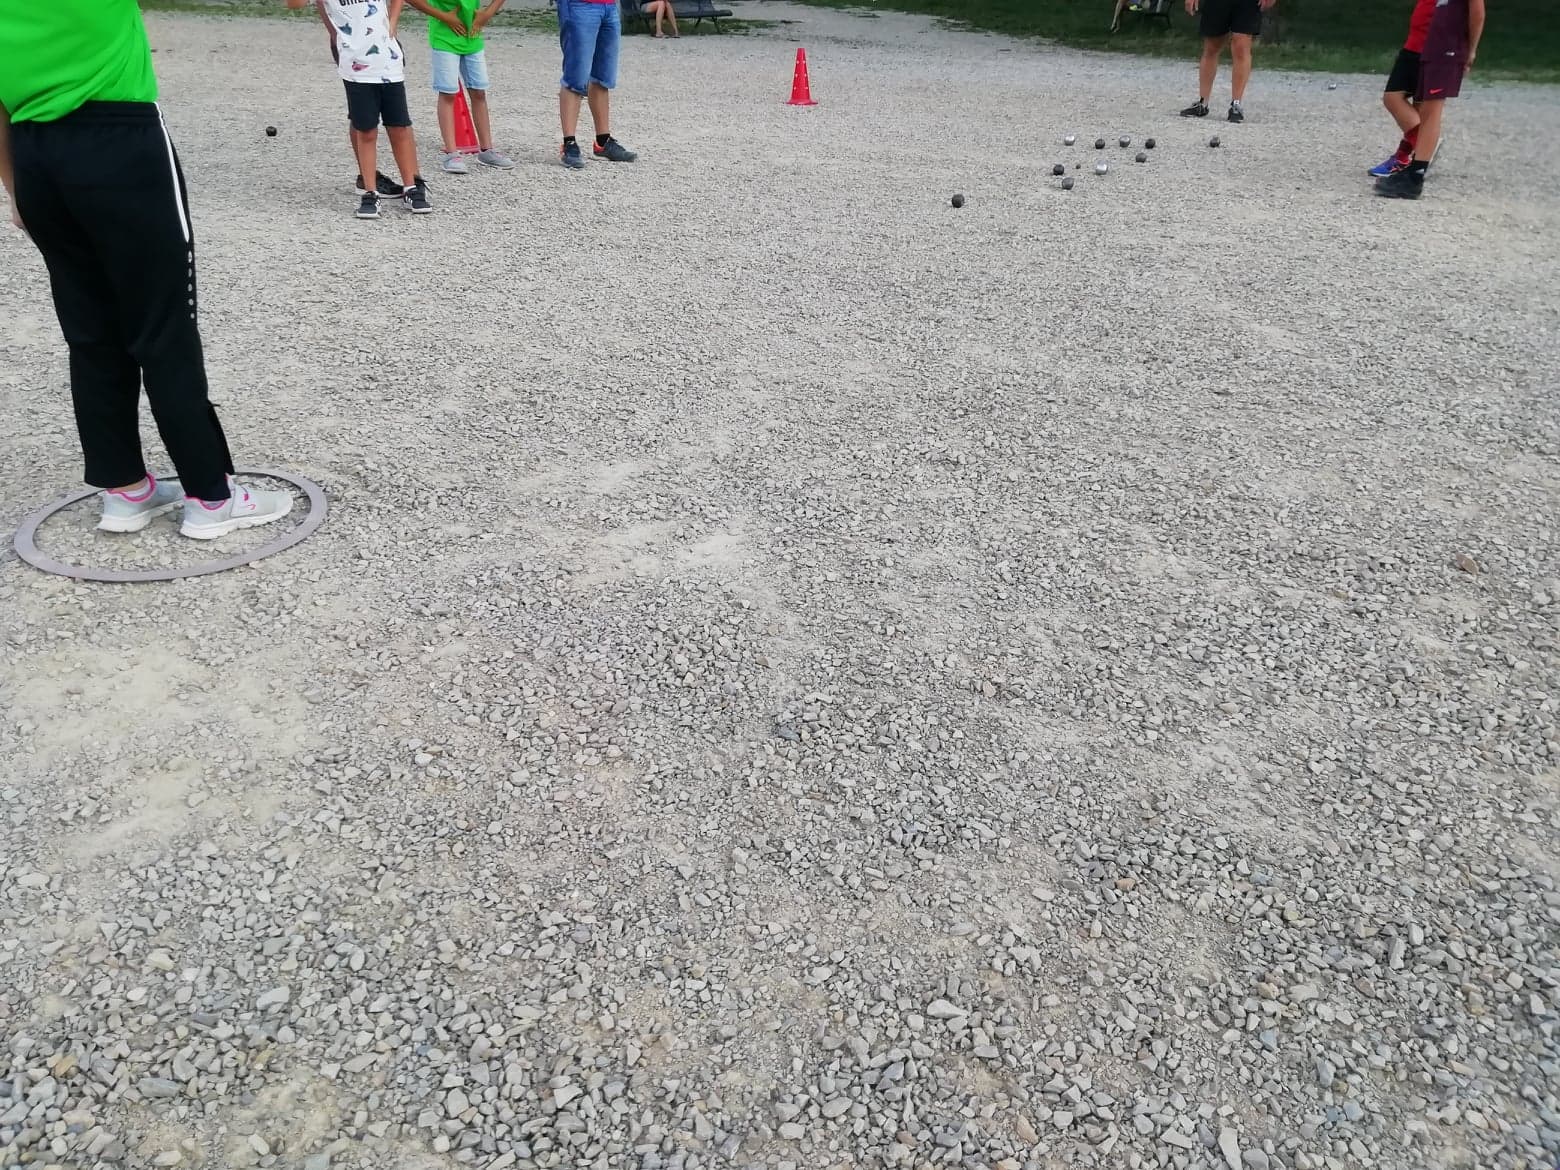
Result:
<point x="1101" y="167"/>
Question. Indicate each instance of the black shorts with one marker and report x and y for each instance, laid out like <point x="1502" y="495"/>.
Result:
<point x="371" y="102"/>
<point x="1404" y="77"/>
<point x="1220" y="18"/>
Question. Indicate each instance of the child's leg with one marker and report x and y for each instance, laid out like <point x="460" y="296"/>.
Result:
<point x="404" y="146"/>
<point x="479" y="118"/>
<point x="365" y="147"/>
<point x="1429" y="129"/>
<point x="1401" y="107"/>
<point x="447" y="121"/>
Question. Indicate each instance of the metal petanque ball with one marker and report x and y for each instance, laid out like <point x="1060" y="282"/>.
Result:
<point x="1067" y="183"/>
<point x="1099" y="144"/>
<point x="1332" y="85"/>
<point x="1125" y="141"/>
<point x="1100" y="168"/>
<point x="1058" y="169"/>
<point x="1141" y="157"/>
<point x="958" y="200"/>
<point x="1069" y="140"/>
<point x="1214" y="141"/>
<point x="270" y="131"/>
<point x="1148" y="142"/>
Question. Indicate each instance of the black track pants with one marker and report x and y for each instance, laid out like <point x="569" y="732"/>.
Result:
<point x="101" y="194"/>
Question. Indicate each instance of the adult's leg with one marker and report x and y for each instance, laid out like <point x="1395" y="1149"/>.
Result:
<point x="600" y="99"/>
<point x="671" y="14"/>
<point x="1208" y="66"/>
<point x="1240" y="64"/>
<point x="105" y="382"/>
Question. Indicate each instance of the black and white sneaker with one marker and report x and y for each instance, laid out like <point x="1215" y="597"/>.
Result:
<point x="368" y="206"/>
<point x="415" y="197"/>
<point x="1198" y="109"/>
<point x="1236" y="113"/>
<point x="383" y="183"/>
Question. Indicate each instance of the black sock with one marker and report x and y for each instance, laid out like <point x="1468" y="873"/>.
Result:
<point x="603" y="139"/>
<point x="1418" y="167"/>
<point x="569" y="140"/>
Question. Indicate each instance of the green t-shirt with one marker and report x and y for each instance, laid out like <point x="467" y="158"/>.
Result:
<point x="57" y="54"/>
<point x="442" y="36"/>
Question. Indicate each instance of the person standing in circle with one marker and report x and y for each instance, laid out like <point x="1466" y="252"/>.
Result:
<point x="94" y="180"/>
<point x="1225" y="22"/>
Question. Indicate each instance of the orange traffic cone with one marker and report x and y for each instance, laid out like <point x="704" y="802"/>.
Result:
<point x="465" y="131"/>
<point x="801" y="86"/>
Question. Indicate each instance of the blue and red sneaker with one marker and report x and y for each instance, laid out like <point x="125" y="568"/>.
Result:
<point x="1391" y="167"/>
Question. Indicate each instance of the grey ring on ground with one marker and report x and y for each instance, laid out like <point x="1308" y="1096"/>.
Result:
<point x="28" y="550"/>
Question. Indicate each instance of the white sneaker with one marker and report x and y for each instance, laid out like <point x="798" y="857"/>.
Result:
<point x="124" y="512"/>
<point x="245" y="508"/>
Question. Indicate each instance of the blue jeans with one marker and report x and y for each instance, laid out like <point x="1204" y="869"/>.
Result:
<point x="589" y="33"/>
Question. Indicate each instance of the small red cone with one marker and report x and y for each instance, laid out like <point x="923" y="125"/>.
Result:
<point x="801" y="86"/>
<point x="465" y="131"/>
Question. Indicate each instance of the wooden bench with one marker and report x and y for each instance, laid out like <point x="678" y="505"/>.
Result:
<point x="697" y="11"/>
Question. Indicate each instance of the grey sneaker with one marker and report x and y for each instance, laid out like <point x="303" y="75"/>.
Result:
<point x="455" y="163"/>
<point x="613" y="151"/>
<point x="492" y="158"/>
<point x="131" y="512"/>
<point x="569" y="155"/>
<point x="245" y="508"/>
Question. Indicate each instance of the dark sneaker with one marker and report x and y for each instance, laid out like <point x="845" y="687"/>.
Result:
<point x="416" y="197"/>
<point x="569" y="155"/>
<point x="1404" y="184"/>
<point x="1198" y="109"/>
<point x="1236" y="113"/>
<point x="383" y="183"/>
<point x="614" y="151"/>
<point x="368" y="206"/>
<point x="1391" y="167"/>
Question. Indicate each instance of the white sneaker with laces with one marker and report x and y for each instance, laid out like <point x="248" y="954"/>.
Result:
<point x="133" y="511"/>
<point x="245" y="508"/>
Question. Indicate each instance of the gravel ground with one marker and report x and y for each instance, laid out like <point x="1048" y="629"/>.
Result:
<point x="800" y="676"/>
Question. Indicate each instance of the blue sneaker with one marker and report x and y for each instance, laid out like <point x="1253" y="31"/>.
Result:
<point x="1391" y="167"/>
<point x="569" y="155"/>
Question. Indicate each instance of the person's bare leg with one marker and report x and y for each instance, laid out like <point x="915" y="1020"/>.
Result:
<point x="568" y="111"/>
<point x="1240" y="65"/>
<point x="1429" y="129"/>
<point x="365" y="145"/>
<point x="1115" y="20"/>
<point x="658" y="9"/>
<point x="447" y="121"/>
<point x="479" y="118"/>
<point x="1208" y="67"/>
<point x="1402" y="111"/>
<point x="600" y="108"/>
<point x="404" y="146"/>
<point x="671" y="14"/>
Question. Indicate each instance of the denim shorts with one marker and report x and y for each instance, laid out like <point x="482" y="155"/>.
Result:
<point x="450" y="69"/>
<point x="589" y="34"/>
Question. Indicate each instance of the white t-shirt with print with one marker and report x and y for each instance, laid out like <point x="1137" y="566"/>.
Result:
<point x="369" y="53"/>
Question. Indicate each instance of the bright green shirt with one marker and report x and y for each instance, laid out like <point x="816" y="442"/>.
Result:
<point x="57" y="54"/>
<point x="441" y="35"/>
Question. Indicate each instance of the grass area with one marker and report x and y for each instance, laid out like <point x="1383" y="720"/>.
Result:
<point x="1521" y="39"/>
<point x="538" y="19"/>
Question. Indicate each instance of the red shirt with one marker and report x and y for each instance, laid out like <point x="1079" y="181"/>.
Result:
<point x="1419" y="25"/>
